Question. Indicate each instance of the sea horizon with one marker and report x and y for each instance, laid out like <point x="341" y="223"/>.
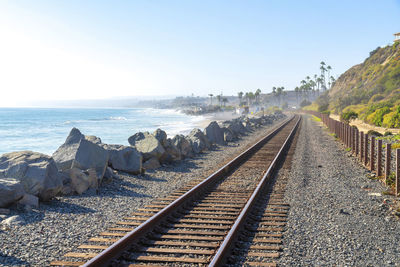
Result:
<point x="44" y="129"/>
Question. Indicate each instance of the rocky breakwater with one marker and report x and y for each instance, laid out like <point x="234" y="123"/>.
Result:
<point x="157" y="149"/>
<point x="84" y="162"/>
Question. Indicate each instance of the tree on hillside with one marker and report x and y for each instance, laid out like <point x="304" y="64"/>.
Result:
<point x="328" y="69"/>
<point x="323" y="70"/>
<point x="211" y="96"/>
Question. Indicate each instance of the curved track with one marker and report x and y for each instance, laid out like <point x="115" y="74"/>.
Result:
<point x="199" y="224"/>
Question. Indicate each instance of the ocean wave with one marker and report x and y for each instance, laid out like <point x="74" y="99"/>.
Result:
<point x="120" y="118"/>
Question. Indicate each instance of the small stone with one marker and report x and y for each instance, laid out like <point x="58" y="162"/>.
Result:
<point x="4" y="211"/>
<point x="13" y="221"/>
<point x="29" y="200"/>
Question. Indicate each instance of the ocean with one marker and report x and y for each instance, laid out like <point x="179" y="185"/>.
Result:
<point x="45" y="129"/>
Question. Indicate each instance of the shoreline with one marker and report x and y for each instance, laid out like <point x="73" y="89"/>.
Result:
<point x="55" y="228"/>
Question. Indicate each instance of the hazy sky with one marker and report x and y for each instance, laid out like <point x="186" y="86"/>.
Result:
<point x="97" y="49"/>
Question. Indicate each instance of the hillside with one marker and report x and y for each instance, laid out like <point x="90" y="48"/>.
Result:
<point x="371" y="89"/>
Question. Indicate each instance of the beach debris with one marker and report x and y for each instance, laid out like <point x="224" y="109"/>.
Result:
<point x="214" y="133"/>
<point x="124" y="158"/>
<point x="147" y="144"/>
<point x="37" y="172"/>
<point x="11" y="190"/>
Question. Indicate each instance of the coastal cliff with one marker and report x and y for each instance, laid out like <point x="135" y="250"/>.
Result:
<point x="371" y="89"/>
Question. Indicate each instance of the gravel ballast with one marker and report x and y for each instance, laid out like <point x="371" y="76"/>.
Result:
<point x="338" y="215"/>
<point x="59" y="226"/>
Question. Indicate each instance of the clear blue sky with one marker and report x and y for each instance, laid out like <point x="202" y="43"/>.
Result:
<point x="98" y="49"/>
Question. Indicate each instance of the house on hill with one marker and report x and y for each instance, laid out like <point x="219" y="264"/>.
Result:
<point x="397" y="37"/>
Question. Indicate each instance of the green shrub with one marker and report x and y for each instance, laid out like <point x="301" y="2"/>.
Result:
<point x="387" y="133"/>
<point x="304" y="103"/>
<point x="348" y="116"/>
<point x="373" y="132"/>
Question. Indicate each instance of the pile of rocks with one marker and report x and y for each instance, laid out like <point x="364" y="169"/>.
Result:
<point x="84" y="162"/>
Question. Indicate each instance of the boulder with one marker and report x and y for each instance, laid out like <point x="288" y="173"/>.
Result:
<point x="161" y="136"/>
<point x="29" y="200"/>
<point x="237" y="128"/>
<point x="83" y="180"/>
<point x="77" y="152"/>
<point x="228" y="135"/>
<point x="94" y="139"/>
<point x="110" y="175"/>
<point x="172" y="153"/>
<point x="147" y="144"/>
<point x="37" y="172"/>
<point x="151" y="164"/>
<point x="183" y="145"/>
<point x="214" y="133"/>
<point x="124" y="158"/>
<point x="11" y="190"/>
<point x="198" y="141"/>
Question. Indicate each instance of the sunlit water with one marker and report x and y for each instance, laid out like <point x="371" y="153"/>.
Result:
<point x="44" y="130"/>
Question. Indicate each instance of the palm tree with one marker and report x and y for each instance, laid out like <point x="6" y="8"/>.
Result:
<point x="279" y="93"/>
<point x="251" y="97"/>
<point x="274" y="91"/>
<point x="246" y="96"/>
<point x="240" y="95"/>
<point x="329" y="68"/>
<point x="257" y="94"/>
<point x="225" y="100"/>
<point x="219" y="99"/>
<point x="211" y="96"/>
<point x="297" y="89"/>
<point x="323" y="70"/>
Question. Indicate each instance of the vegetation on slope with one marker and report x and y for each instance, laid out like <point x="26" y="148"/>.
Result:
<point x="370" y="89"/>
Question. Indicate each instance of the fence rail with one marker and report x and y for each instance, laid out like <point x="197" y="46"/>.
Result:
<point x="367" y="149"/>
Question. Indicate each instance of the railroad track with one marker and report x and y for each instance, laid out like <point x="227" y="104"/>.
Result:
<point x="207" y="221"/>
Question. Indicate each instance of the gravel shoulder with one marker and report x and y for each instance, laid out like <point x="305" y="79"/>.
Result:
<point x="338" y="216"/>
<point x="57" y="227"/>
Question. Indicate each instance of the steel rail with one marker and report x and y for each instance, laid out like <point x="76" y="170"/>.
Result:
<point x="116" y="249"/>
<point x="226" y="246"/>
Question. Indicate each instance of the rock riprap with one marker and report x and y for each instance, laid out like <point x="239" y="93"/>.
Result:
<point x="37" y="172"/>
<point x="147" y="144"/>
<point x="124" y="158"/>
<point x="11" y="190"/>
<point x="198" y="140"/>
<point x="214" y="133"/>
<point x="82" y="160"/>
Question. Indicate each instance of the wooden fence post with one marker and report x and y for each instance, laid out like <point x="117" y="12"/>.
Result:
<point x="361" y="146"/>
<point x="365" y="149"/>
<point x="357" y="142"/>
<point x="397" y="187"/>
<point x="388" y="161"/>
<point x="372" y="154"/>
<point x="379" y="159"/>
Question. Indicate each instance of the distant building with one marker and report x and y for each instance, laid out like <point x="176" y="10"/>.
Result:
<point x="397" y="37"/>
